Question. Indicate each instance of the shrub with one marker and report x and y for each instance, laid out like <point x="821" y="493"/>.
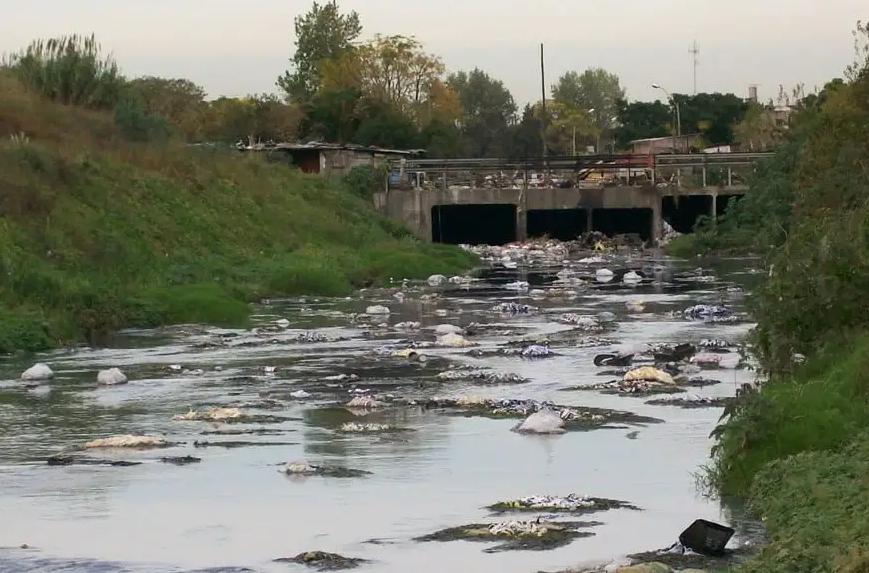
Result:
<point x="69" y="70"/>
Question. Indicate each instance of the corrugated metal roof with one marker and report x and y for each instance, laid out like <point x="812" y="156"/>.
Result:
<point x="320" y="145"/>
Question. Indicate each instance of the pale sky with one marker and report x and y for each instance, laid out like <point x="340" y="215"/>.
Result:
<point x="233" y="47"/>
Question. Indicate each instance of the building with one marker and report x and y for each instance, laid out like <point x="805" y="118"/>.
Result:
<point x="331" y="159"/>
<point x="690" y="143"/>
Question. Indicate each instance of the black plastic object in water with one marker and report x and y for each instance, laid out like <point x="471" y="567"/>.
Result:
<point x="706" y="537"/>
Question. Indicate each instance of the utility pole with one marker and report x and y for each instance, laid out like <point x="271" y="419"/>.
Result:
<point x="694" y="51"/>
<point x="543" y="111"/>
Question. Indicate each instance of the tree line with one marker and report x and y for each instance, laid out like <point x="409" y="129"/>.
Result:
<point x="386" y="91"/>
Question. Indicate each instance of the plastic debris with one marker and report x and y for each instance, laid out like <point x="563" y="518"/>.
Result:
<point x="217" y="414"/>
<point x="127" y="441"/>
<point x="300" y="394"/>
<point x="377" y="309"/>
<point x="544" y="421"/>
<point x="353" y="427"/>
<point x="442" y="329"/>
<point x="111" y="377"/>
<point x="603" y="275"/>
<point x="436" y="280"/>
<point x="454" y="341"/>
<point x="513" y="308"/>
<point x="537" y="351"/>
<point x="38" y="371"/>
<point x="365" y="402"/>
<point x="648" y="374"/>
<point x="517" y="286"/>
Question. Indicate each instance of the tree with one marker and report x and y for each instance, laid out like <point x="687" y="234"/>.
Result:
<point x="322" y="34"/>
<point x="758" y="130"/>
<point x="525" y="135"/>
<point x="594" y="89"/>
<point x="253" y="118"/>
<point x="712" y="115"/>
<point x="180" y="102"/>
<point x="641" y="120"/>
<point x="487" y="111"/>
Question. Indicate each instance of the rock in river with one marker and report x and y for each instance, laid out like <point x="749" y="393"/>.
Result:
<point x="377" y="309"/>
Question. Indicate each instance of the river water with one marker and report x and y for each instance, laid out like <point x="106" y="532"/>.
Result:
<point x="236" y="511"/>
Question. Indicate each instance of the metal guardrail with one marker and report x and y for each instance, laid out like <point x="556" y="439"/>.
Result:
<point x="565" y="171"/>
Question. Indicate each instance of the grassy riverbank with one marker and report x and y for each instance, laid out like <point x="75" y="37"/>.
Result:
<point x="797" y="445"/>
<point x="98" y="232"/>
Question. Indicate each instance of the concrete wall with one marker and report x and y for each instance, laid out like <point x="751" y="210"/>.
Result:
<point x="413" y="207"/>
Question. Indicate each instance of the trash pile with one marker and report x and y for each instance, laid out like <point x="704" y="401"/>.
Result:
<point x="353" y="427"/>
<point x="513" y="308"/>
<point x="529" y="252"/>
<point x="483" y="376"/>
<point x="128" y="441"/>
<point x="536" y="351"/>
<point x="216" y="414"/>
<point x="709" y="313"/>
<point x="536" y="534"/>
<point x="544" y="421"/>
<point x="581" y="321"/>
<point x="570" y="503"/>
<point x="304" y="469"/>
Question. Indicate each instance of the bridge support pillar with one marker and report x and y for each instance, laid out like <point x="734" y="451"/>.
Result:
<point x="522" y="218"/>
<point x="713" y="209"/>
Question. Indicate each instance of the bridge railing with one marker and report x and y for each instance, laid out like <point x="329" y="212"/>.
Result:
<point x="585" y="171"/>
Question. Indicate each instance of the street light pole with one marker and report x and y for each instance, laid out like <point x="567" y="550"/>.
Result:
<point x="678" y="113"/>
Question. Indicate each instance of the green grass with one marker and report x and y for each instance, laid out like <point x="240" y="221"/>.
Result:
<point x="816" y="508"/>
<point x="97" y="232"/>
<point x="821" y="406"/>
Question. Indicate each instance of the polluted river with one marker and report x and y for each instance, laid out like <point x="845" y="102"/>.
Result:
<point x="422" y="427"/>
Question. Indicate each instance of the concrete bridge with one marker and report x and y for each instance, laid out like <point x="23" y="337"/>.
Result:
<point x="498" y="201"/>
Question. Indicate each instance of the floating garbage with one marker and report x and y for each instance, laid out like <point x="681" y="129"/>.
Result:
<point x="38" y="371"/>
<point x="457" y="280"/>
<point x="282" y="323"/>
<point x="442" y="329"/>
<point x="593" y="260"/>
<point x="517" y="286"/>
<point x="635" y="306"/>
<point x="668" y="353"/>
<point x="216" y="414"/>
<point x="454" y="341"/>
<point x="712" y="313"/>
<point x="377" y="309"/>
<point x="111" y="377"/>
<point x="603" y="275"/>
<point x="581" y="321"/>
<point x="354" y="427"/>
<point x="311" y="337"/>
<point x="482" y="376"/>
<point x="409" y="325"/>
<point x="706" y="537"/>
<point x="128" y="441"/>
<point x="323" y="561"/>
<point x="632" y="277"/>
<point x="513" y="308"/>
<point x="648" y="374"/>
<point x="303" y="468"/>
<point x="543" y="422"/>
<point x="707" y="360"/>
<point x="364" y="402"/>
<point x="714" y="344"/>
<point x="300" y="394"/>
<point x="537" y="351"/>
<point x="436" y="280"/>
<point x="535" y="534"/>
<point x="570" y="503"/>
<point x="613" y="359"/>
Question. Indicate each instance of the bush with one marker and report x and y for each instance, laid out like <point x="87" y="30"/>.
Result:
<point x="24" y="330"/>
<point x="365" y="180"/>
<point x="138" y="125"/>
<point x="823" y="405"/>
<point x="69" y="70"/>
<point x="305" y="276"/>
<point x="205" y="303"/>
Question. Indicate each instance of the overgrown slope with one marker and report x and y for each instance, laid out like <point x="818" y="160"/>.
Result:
<point x="97" y="232"/>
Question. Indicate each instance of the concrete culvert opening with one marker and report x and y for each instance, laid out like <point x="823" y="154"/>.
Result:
<point x="683" y="211"/>
<point x="561" y="224"/>
<point x="724" y="201"/>
<point x="613" y="222"/>
<point x="473" y="224"/>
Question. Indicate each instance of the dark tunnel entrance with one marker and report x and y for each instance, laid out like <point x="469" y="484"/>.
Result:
<point x="561" y="224"/>
<point x="683" y="211"/>
<point x="623" y="221"/>
<point x="724" y="201"/>
<point x="473" y="224"/>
